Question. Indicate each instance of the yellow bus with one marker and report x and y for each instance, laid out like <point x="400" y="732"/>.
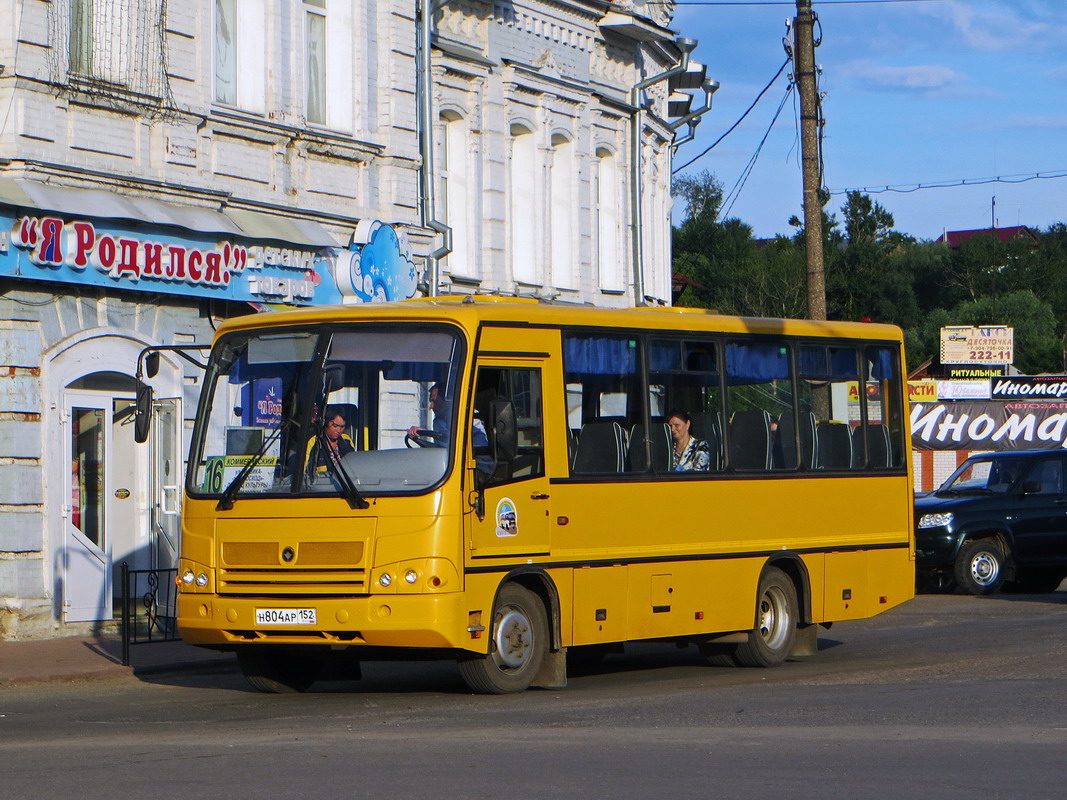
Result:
<point x="501" y="481"/>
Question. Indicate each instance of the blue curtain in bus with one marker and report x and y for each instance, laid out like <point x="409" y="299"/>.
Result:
<point x="414" y="371"/>
<point x="881" y="363"/>
<point x="599" y="355"/>
<point x="828" y="363"/>
<point x="756" y="362"/>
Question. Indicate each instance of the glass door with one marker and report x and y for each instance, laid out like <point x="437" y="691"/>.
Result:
<point x="85" y="558"/>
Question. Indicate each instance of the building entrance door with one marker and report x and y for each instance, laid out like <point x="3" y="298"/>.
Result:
<point x="85" y="561"/>
<point x="105" y="520"/>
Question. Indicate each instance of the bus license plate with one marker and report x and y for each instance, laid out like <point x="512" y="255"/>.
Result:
<point x="285" y="616"/>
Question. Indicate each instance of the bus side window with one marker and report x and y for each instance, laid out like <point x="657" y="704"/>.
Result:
<point x="522" y="388"/>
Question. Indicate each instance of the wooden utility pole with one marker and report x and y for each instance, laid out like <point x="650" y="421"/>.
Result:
<point x="804" y="50"/>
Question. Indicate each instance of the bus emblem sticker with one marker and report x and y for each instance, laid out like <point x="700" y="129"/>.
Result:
<point x="507" y="518"/>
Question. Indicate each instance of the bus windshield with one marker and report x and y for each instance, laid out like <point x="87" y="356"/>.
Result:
<point x="327" y="410"/>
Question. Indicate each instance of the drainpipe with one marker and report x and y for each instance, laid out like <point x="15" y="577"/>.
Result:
<point x="685" y="46"/>
<point x="692" y="119"/>
<point x="424" y="99"/>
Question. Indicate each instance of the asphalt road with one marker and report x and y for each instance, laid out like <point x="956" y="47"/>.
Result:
<point x="945" y="697"/>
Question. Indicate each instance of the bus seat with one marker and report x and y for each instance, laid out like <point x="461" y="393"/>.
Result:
<point x="660" y="443"/>
<point x="750" y="440"/>
<point x="601" y="448"/>
<point x="785" y="441"/>
<point x="879" y="442"/>
<point x="834" y="449"/>
<point x="706" y="426"/>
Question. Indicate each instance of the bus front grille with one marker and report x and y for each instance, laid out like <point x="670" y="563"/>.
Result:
<point x="292" y="581"/>
<point x="292" y="567"/>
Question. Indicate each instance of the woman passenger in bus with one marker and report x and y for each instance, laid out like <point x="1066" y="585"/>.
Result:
<point x="689" y="454"/>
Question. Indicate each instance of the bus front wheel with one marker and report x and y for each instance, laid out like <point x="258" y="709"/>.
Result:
<point x="771" y="640"/>
<point x="279" y="670"/>
<point x="517" y="645"/>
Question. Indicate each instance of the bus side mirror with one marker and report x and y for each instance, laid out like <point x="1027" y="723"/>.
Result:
<point x="142" y="418"/>
<point x="151" y="364"/>
<point x="1030" y="487"/>
<point x="504" y="436"/>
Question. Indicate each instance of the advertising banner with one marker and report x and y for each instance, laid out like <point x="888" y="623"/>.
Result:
<point x="1038" y="387"/>
<point x="962" y="344"/>
<point x="989" y="425"/>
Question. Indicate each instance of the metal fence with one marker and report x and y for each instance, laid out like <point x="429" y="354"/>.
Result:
<point x="149" y="614"/>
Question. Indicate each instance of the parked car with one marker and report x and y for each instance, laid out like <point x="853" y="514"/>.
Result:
<point x="999" y="520"/>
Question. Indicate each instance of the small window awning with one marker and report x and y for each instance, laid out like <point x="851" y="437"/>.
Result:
<point x="102" y="204"/>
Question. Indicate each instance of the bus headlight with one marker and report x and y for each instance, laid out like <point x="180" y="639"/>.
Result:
<point x="411" y="576"/>
<point x="385" y="579"/>
<point x="187" y="577"/>
<point x="935" y="520"/>
<point x="201" y="579"/>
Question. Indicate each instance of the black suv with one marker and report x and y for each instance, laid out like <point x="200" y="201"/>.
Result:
<point x="1001" y="518"/>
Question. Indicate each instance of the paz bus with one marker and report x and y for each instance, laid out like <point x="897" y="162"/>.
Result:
<point x="535" y="509"/>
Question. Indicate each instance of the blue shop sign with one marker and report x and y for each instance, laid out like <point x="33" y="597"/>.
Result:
<point x="55" y="248"/>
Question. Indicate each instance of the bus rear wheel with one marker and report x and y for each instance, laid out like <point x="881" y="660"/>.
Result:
<point x="517" y="645"/>
<point x="770" y="642"/>
<point x="280" y="670"/>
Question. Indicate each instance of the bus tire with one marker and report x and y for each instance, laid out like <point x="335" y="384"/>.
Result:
<point x="771" y="640"/>
<point x="279" y="670"/>
<point x="980" y="567"/>
<point x="517" y="644"/>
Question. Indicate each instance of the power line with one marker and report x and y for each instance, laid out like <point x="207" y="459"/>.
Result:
<point x="730" y="130"/>
<point x="907" y="188"/>
<point x="735" y="192"/>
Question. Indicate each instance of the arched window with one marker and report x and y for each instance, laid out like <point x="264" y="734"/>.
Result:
<point x="564" y="257"/>
<point x="523" y="206"/>
<point x="607" y="213"/>
<point x="454" y="195"/>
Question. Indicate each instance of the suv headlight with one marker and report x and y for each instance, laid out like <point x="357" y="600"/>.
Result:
<point x="935" y="520"/>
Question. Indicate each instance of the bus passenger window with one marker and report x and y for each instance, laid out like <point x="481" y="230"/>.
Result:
<point x="604" y="405"/>
<point x="828" y="395"/>
<point x="684" y="377"/>
<point x="759" y="391"/>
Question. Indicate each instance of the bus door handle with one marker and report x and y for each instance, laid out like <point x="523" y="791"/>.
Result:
<point x="538" y="496"/>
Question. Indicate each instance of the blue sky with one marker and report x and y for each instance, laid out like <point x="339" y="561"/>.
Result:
<point x="915" y="93"/>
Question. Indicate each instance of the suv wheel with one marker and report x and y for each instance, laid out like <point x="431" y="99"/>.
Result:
<point x="980" y="567"/>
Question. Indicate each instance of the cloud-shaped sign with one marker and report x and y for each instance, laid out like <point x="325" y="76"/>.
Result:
<point x="377" y="271"/>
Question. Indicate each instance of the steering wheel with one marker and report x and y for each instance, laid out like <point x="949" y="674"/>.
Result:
<point x="422" y="438"/>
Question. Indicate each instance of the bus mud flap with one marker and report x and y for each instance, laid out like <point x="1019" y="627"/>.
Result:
<point x="807" y="641"/>
<point x="553" y="672"/>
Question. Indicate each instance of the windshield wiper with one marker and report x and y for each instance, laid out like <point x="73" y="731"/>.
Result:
<point x="344" y="480"/>
<point x="226" y="501"/>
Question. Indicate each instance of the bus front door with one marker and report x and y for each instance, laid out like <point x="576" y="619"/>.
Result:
<point x="515" y="497"/>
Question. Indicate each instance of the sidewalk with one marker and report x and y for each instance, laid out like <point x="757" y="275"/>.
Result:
<point x="86" y="658"/>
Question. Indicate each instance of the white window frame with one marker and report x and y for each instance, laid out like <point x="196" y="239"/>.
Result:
<point x="607" y="212"/>
<point x="563" y="202"/>
<point x="240" y="54"/>
<point x="455" y="195"/>
<point x="526" y="220"/>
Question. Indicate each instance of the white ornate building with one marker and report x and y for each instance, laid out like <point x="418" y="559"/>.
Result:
<point x="167" y="164"/>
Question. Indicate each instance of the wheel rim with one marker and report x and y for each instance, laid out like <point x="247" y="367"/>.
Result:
<point x="774" y="617"/>
<point x="984" y="569"/>
<point x="513" y="639"/>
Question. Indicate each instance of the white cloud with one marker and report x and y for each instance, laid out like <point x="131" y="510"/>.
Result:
<point x="1021" y="26"/>
<point x="928" y="78"/>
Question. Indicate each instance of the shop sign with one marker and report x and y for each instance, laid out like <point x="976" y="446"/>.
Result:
<point x="83" y="252"/>
<point x="989" y="425"/>
<point x="1038" y="387"/>
<point x="922" y="391"/>
<point x="969" y="373"/>
<point x="962" y="390"/>
<point x="962" y="344"/>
